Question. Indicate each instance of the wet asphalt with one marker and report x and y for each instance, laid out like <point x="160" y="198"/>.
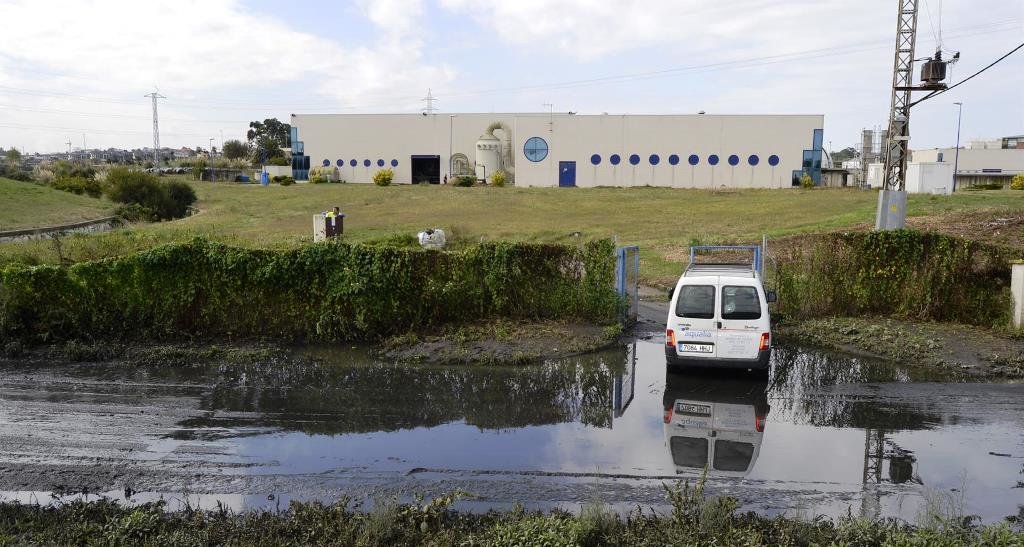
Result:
<point x="839" y="434"/>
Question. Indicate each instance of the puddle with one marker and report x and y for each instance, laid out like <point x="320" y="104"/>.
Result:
<point x="826" y="434"/>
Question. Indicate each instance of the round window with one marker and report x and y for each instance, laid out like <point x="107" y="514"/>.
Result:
<point x="340" y="163"/>
<point x="353" y="163"/>
<point x="535" y="149"/>
<point x="753" y="159"/>
<point x="394" y="163"/>
<point x="694" y="159"/>
<point x="673" y="159"/>
<point x="595" y="159"/>
<point x="380" y="163"/>
<point x="326" y="163"/>
<point x="615" y="159"/>
<point x="634" y="159"/>
<point x="773" y="160"/>
<point x="734" y="160"/>
<point x="713" y="159"/>
<point x="654" y="159"/>
<point x="366" y="163"/>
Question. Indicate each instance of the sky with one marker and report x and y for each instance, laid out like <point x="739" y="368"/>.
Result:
<point x="78" y="70"/>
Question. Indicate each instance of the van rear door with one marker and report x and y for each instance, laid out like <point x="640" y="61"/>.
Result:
<point x="695" y="324"/>
<point x="742" y="319"/>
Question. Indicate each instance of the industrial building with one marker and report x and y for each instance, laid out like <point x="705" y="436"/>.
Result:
<point x="976" y="166"/>
<point x="564" y="149"/>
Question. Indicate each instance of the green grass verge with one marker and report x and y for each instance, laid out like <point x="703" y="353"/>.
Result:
<point x="29" y="205"/>
<point x="693" y="520"/>
<point x="663" y="221"/>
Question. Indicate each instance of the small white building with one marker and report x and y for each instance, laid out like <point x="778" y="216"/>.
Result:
<point x="930" y="178"/>
<point x="565" y="149"/>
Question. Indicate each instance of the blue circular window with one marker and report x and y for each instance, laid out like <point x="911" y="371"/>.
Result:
<point x="773" y="160"/>
<point x="615" y="159"/>
<point x="734" y="160"/>
<point x="353" y="163"/>
<point x="595" y="159"/>
<point x="394" y="163"/>
<point x="634" y="159"/>
<point x="654" y="159"/>
<point x="713" y="159"/>
<point x="340" y="163"/>
<point x="673" y="159"/>
<point x="326" y="163"/>
<point x="535" y="149"/>
<point x="753" y="159"/>
<point x="366" y="163"/>
<point x="694" y="159"/>
<point x="380" y="163"/>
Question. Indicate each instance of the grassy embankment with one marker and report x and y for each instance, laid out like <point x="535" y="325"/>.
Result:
<point x="28" y="205"/>
<point x="693" y="520"/>
<point x="664" y="222"/>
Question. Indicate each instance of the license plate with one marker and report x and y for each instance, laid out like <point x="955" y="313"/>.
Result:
<point x="693" y="410"/>
<point x="697" y="348"/>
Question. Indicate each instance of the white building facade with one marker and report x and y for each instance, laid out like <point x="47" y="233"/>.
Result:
<point x="568" y="150"/>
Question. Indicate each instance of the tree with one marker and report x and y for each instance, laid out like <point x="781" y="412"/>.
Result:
<point x="847" y="153"/>
<point x="235" y="149"/>
<point x="267" y="148"/>
<point x="13" y="158"/>
<point x="271" y="127"/>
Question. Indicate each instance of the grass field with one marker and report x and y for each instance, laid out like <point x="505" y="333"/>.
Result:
<point x="28" y="205"/>
<point x="663" y="221"/>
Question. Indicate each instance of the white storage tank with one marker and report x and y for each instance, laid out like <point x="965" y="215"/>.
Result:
<point x="933" y="177"/>
<point x="488" y="156"/>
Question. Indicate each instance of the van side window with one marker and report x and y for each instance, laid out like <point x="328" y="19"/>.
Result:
<point x="740" y="303"/>
<point x="696" y="302"/>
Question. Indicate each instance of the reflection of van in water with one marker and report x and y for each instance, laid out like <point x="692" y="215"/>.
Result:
<point x="714" y="422"/>
<point x="718" y="317"/>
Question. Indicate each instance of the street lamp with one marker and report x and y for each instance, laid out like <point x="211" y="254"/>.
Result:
<point x="956" y="157"/>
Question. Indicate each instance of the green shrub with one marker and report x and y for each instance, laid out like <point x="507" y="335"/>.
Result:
<point x="78" y="185"/>
<point x="1018" y="182"/>
<point x="327" y="291"/>
<point x="499" y="178"/>
<point x="903" y="273"/>
<point x="278" y="161"/>
<point x="283" y="180"/>
<point x="806" y="181"/>
<point x="465" y="181"/>
<point x="383" y="177"/>
<point x="134" y="212"/>
<point x="167" y="200"/>
<point x="986" y="186"/>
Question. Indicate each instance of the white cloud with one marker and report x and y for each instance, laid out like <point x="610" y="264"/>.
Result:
<point x="207" y="54"/>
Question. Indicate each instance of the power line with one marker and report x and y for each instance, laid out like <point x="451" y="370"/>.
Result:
<point x="965" y="80"/>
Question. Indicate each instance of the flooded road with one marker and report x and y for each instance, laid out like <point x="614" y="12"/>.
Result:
<point x="826" y="434"/>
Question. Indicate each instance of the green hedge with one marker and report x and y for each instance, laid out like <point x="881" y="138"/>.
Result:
<point x="324" y="291"/>
<point x="903" y="273"/>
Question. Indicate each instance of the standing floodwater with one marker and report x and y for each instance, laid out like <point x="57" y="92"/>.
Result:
<point x="826" y="434"/>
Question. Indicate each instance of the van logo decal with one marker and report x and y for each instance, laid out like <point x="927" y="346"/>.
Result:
<point x="697" y="334"/>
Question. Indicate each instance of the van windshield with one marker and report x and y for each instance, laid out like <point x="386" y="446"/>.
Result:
<point x="696" y="302"/>
<point x="740" y="303"/>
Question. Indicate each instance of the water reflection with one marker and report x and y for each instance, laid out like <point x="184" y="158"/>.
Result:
<point x="714" y="421"/>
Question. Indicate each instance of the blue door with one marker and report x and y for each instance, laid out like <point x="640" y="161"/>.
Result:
<point x="567" y="174"/>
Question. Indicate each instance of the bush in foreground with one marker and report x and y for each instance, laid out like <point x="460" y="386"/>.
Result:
<point x="693" y="520"/>
<point x="499" y="178"/>
<point x="283" y="180"/>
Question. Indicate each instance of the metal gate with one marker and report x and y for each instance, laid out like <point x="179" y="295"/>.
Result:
<point x="623" y="385"/>
<point x="627" y="281"/>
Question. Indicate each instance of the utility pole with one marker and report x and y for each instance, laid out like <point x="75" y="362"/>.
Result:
<point x="156" y="126"/>
<point x="892" y="200"/>
<point x="430" y="108"/>
<point x="956" y="157"/>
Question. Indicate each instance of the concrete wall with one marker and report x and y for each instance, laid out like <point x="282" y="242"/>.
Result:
<point x="276" y="171"/>
<point x="574" y="138"/>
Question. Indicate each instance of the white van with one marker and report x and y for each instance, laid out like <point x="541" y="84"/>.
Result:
<point x="718" y="317"/>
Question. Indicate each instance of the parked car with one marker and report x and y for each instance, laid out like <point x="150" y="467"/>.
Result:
<point x="718" y="317"/>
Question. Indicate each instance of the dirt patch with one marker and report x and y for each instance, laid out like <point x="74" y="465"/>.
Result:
<point x="499" y="343"/>
<point x="997" y="227"/>
<point x="974" y="351"/>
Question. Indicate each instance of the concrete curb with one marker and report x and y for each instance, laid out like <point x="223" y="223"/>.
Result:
<point x="35" y="233"/>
